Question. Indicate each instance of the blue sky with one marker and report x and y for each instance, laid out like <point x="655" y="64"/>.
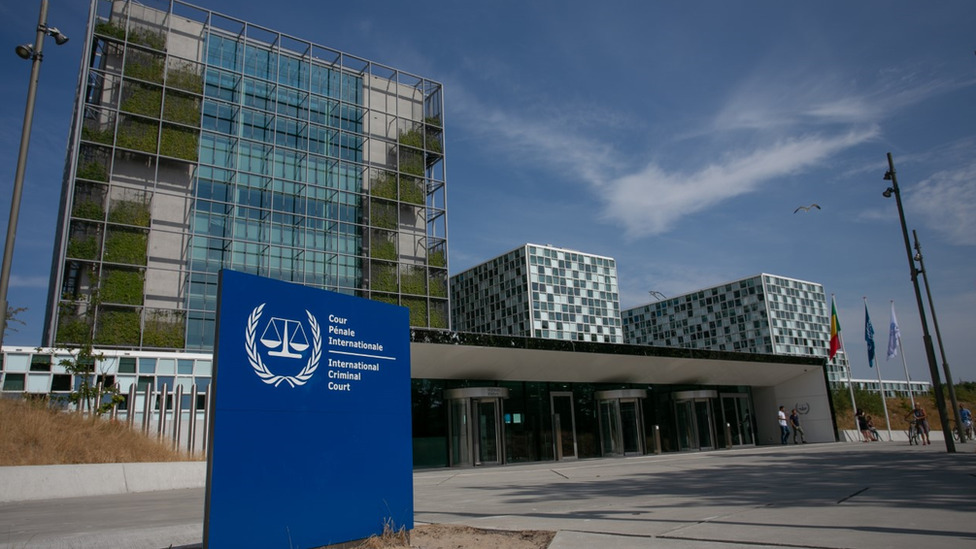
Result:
<point x="678" y="139"/>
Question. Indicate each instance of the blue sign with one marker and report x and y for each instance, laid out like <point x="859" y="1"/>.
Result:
<point x="310" y="424"/>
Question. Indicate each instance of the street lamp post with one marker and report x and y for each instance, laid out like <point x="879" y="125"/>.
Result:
<point x="35" y="55"/>
<point x="926" y="338"/>
<point x="938" y="338"/>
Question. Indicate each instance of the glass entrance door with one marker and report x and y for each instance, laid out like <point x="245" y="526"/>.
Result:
<point x="737" y="415"/>
<point x="621" y="419"/>
<point x="474" y="422"/>
<point x="695" y="419"/>
<point x="488" y="436"/>
<point x="563" y="425"/>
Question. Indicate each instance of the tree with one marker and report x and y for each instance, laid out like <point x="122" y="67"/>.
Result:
<point x="11" y="318"/>
<point x="95" y="391"/>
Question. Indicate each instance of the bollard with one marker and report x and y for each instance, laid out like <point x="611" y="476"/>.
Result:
<point x="657" y="439"/>
<point x="728" y="436"/>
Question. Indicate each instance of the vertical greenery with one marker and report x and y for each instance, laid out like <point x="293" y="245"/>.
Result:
<point x="130" y="212"/>
<point x="127" y="247"/>
<point x="418" y="311"/>
<point x="180" y="142"/>
<point x="382" y="277"/>
<point x="117" y="327"/>
<point x="164" y="329"/>
<point x="122" y="286"/>
<point x="139" y="134"/>
<point x="413" y="280"/>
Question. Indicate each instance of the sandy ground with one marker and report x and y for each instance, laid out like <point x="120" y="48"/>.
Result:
<point x="446" y="536"/>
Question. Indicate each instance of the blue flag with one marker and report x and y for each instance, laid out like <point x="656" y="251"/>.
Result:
<point x="869" y="335"/>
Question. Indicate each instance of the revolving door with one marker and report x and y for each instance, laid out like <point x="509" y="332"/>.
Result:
<point x="476" y="430"/>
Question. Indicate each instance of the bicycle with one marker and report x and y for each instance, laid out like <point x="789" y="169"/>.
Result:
<point x="913" y="433"/>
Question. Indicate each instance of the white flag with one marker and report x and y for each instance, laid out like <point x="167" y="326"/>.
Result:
<point x="894" y="334"/>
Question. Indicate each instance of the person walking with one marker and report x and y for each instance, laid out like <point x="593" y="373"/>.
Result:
<point x="795" y="424"/>
<point x="966" y="417"/>
<point x="784" y="430"/>
<point x="921" y="422"/>
<point x="862" y="425"/>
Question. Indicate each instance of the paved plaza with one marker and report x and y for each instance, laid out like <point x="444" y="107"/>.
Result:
<point x="844" y="495"/>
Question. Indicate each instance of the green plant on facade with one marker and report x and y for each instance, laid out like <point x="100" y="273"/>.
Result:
<point x="128" y="247"/>
<point x="144" y="66"/>
<point x="88" y="209"/>
<point x="108" y="28"/>
<point x="117" y="327"/>
<point x="164" y="329"/>
<point x="72" y="329"/>
<point x="142" y="99"/>
<point x="384" y="186"/>
<point x="418" y="311"/>
<point x="437" y="258"/>
<point x="139" y="134"/>
<point x="180" y="143"/>
<point x="148" y="37"/>
<point x="438" y="285"/>
<point x="130" y="212"/>
<point x="413" y="280"/>
<point x="94" y="170"/>
<point x="412" y="138"/>
<point x="412" y="190"/>
<point x="122" y="286"/>
<point x="381" y="246"/>
<point x="96" y="135"/>
<point x="438" y="318"/>
<point x="182" y="108"/>
<point x="83" y="247"/>
<point x="382" y="277"/>
<point x="185" y="77"/>
<point x="383" y="214"/>
<point x="433" y="121"/>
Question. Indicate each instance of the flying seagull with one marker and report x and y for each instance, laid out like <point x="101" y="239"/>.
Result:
<point x="807" y="208"/>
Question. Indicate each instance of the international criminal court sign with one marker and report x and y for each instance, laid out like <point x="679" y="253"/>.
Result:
<point x="310" y="421"/>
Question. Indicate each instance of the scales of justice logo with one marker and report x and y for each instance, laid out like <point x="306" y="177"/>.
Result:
<point x="285" y="339"/>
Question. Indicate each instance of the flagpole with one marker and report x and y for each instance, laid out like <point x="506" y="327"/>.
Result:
<point x="850" y="382"/>
<point x="895" y="334"/>
<point x="884" y="400"/>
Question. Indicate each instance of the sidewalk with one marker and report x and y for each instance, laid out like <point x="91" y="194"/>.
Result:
<point x="878" y="495"/>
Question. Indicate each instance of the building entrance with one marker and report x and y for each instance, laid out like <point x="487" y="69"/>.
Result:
<point x="563" y="425"/>
<point x="695" y="419"/>
<point x="621" y="417"/>
<point x="737" y="414"/>
<point x="475" y="429"/>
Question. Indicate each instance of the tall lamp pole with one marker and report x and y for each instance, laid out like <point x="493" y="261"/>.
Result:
<point x="34" y="54"/>
<point x="938" y="337"/>
<point x="926" y="338"/>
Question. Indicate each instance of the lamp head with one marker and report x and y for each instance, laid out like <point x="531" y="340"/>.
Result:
<point x="24" y="51"/>
<point x="888" y="192"/>
<point x="59" y="38"/>
<point x="887" y="176"/>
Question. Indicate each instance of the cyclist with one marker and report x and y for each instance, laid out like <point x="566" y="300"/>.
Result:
<point x="967" y="420"/>
<point x="921" y="422"/>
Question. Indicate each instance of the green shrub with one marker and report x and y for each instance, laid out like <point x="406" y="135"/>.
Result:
<point x="130" y="212"/>
<point x="88" y="209"/>
<point x="180" y="143"/>
<point x="139" y="134"/>
<point x="125" y="287"/>
<point x="117" y="327"/>
<point x="413" y="281"/>
<point x="437" y="258"/>
<point x="128" y="247"/>
<point x="384" y="186"/>
<point x="164" y="330"/>
<point x="382" y="277"/>
<point x="83" y="247"/>
<point x="98" y="136"/>
<point x="72" y="330"/>
<point x="107" y="28"/>
<point x="383" y="214"/>
<point x="95" y="171"/>
<point x="381" y="246"/>
<point x="182" y="108"/>
<point x="412" y="190"/>
<point x="142" y="99"/>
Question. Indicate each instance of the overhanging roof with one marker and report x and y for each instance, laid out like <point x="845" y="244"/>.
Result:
<point x="452" y="355"/>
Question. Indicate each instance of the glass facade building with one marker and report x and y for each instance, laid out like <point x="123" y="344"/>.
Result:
<point x="765" y="314"/>
<point x="203" y="142"/>
<point x="540" y="291"/>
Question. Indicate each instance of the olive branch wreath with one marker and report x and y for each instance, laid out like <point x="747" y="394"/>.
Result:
<point x="262" y="371"/>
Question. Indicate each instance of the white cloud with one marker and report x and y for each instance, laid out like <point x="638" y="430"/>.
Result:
<point x="947" y="200"/>
<point x="650" y="201"/>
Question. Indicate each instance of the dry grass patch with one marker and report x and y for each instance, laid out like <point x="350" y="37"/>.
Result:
<point x="455" y="536"/>
<point x="32" y="433"/>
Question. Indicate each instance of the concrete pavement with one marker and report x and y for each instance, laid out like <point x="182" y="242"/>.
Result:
<point x="843" y="495"/>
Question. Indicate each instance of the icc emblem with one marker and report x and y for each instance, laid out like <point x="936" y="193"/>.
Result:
<point x="285" y="338"/>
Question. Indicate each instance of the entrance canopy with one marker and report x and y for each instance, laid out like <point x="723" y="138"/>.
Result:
<point x="452" y="355"/>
